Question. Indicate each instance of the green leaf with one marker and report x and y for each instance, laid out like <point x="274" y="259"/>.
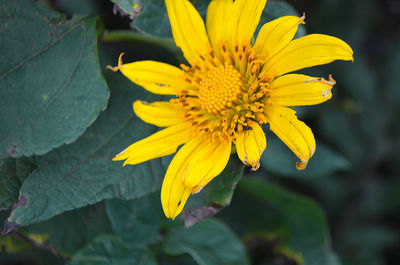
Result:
<point x="176" y="260"/>
<point x="136" y="221"/>
<point x="128" y="6"/>
<point x="31" y="256"/>
<point x="51" y="86"/>
<point x="367" y="244"/>
<point x="9" y="183"/>
<point x="209" y="242"/>
<point x="390" y="75"/>
<point x="278" y="159"/>
<point x="12" y="173"/>
<point x="340" y="128"/>
<point x="79" y="7"/>
<point x="216" y="195"/>
<point x="167" y="45"/>
<point x="295" y="222"/>
<point x="82" y="173"/>
<point x="107" y="250"/>
<point x="79" y="227"/>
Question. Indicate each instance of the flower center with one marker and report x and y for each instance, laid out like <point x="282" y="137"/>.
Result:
<point x="220" y="89"/>
<point x="229" y="92"/>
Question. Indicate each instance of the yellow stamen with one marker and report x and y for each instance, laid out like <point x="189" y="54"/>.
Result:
<point x="220" y="89"/>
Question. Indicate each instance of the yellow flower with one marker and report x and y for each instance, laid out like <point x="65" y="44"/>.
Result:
<point x="230" y="89"/>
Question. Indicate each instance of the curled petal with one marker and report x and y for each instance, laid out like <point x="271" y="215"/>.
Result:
<point x="250" y="144"/>
<point x="300" y="90"/>
<point x="294" y="133"/>
<point x="194" y="165"/>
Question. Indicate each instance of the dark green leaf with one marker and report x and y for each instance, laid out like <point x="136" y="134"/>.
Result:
<point x="164" y="48"/>
<point x="31" y="256"/>
<point x="176" y="260"/>
<point x="154" y="18"/>
<point x="136" y="221"/>
<point x="9" y="183"/>
<point x="391" y="80"/>
<point x="51" y="86"/>
<point x="366" y="244"/>
<point x="297" y="223"/>
<point x="340" y="128"/>
<point x="12" y="173"/>
<point x="209" y="242"/>
<point x="128" y="6"/>
<point x="107" y="250"/>
<point x="79" y="227"/>
<point x="278" y="159"/>
<point x="82" y="173"/>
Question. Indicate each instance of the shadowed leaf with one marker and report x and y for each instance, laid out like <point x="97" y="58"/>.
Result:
<point x="51" y="85"/>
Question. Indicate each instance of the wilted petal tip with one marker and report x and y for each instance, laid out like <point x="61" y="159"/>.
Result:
<point x="116" y="68"/>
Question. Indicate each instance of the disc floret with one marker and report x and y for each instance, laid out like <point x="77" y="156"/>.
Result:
<point x="231" y="92"/>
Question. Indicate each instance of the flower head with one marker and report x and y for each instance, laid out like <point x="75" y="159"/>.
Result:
<point x="229" y="89"/>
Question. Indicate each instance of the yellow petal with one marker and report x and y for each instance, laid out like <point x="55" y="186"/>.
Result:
<point x="244" y="20"/>
<point x="250" y="144"/>
<point x="300" y="90"/>
<point x="277" y="34"/>
<point x="294" y="133"/>
<point x="218" y="14"/>
<point x="206" y="163"/>
<point x="162" y="143"/>
<point x="307" y="51"/>
<point x="161" y="113"/>
<point x="196" y="161"/>
<point x="188" y="29"/>
<point x="156" y="77"/>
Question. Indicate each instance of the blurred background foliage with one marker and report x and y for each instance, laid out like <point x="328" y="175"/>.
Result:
<point x="64" y="116"/>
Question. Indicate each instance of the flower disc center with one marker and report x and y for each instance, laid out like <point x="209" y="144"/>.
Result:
<point x="220" y="88"/>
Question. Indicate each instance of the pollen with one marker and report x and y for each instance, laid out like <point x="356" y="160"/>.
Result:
<point x="220" y="89"/>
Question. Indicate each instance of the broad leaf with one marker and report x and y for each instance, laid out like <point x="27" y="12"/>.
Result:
<point x="51" y="86"/>
<point x="154" y="18"/>
<point x="390" y="75"/>
<point x="341" y="128"/>
<point x="128" y="6"/>
<point x="31" y="256"/>
<point x="136" y="221"/>
<point x="107" y="250"/>
<point x="278" y="159"/>
<point x="209" y="242"/>
<point x="12" y="173"/>
<point x="290" y="224"/>
<point x="176" y="260"/>
<point x="82" y="173"/>
<point x="79" y="228"/>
